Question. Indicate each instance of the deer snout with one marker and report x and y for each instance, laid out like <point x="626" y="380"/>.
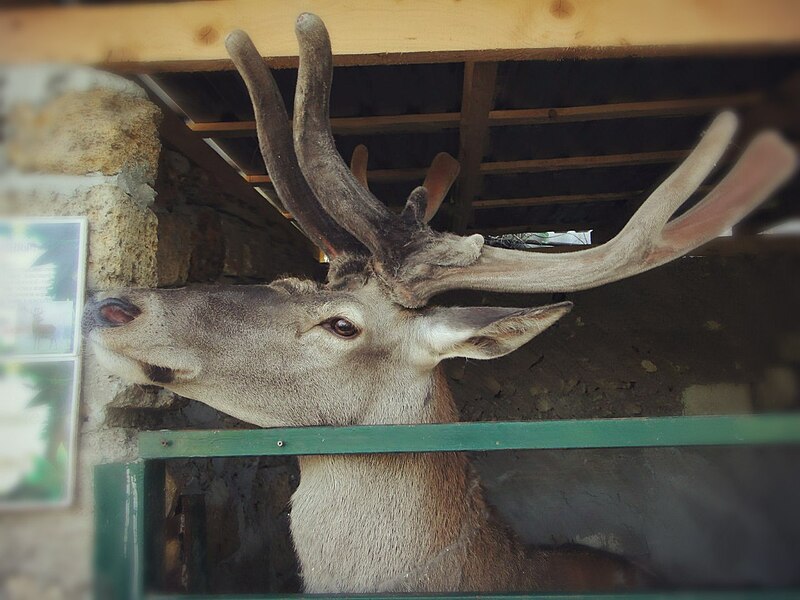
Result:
<point x="114" y="312"/>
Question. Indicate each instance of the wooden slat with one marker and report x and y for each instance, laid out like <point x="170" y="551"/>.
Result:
<point x="581" y="162"/>
<point x="344" y="125"/>
<point x="622" y="110"/>
<point x="522" y="166"/>
<point x="377" y="175"/>
<point x="550" y="200"/>
<point x="498" y="118"/>
<point x="477" y="99"/>
<point x="188" y="35"/>
<point x="563" y="199"/>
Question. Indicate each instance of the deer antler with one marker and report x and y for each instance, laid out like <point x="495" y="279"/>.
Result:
<point x="275" y="140"/>
<point x="648" y="240"/>
<point x="392" y="240"/>
<point x="416" y="263"/>
<point x="441" y="175"/>
<point x="358" y="164"/>
<point x="439" y="179"/>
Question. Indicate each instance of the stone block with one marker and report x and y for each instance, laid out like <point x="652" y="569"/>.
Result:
<point x="123" y="237"/>
<point x="175" y="245"/>
<point x="82" y="132"/>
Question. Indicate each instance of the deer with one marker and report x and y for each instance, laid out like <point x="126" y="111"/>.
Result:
<point x="40" y="330"/>
<point x="365" y="347"/>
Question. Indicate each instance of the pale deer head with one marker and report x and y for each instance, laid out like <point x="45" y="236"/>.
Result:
<point x="362" y="348"/>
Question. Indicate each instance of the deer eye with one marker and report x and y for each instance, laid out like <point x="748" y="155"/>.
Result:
<point x="341" y="327"/>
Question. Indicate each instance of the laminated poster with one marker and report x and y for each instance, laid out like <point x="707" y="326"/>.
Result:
<point x="42" y="274"/>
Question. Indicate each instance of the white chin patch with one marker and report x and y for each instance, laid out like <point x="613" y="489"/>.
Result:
<point x="121" y="366"/>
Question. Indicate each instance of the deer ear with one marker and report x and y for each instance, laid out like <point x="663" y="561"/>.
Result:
<point x="485" y="332"/>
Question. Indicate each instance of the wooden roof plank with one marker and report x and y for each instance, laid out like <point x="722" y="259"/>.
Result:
<point x="376" y="175"/>
<point x="421" y="122"/>
<point x="522" y="166"/>
<point x="565" y="199"/>
<point x="409" y="123"/>
<point x="480" y="80"/>
<point x="188" y="36"/>
<point x="581" y="162"/>
<point x="551" y="200"/>
<point x="622" y="110"/>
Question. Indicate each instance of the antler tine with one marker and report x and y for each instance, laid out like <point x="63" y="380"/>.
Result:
<point x="648" y="240"/>
<point x="441" y="175"/>
<point x="358" y="164"/>
<point x="668" y="197"/>
<point x="345" y="199"/>
<point x="275" y="141"/>
<point x="764" y="166"/>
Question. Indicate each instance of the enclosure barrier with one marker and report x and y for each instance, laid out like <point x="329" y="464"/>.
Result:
<point x="129" y="497"/>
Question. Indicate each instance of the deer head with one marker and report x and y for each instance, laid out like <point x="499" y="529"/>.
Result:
<point x="362" y="348"/>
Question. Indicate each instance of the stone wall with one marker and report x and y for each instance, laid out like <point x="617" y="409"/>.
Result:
<point x="75" y="141"/>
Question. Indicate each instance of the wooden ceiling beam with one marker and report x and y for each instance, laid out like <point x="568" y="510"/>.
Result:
<point x="622" y="110"/>
<point x="581" y="162"/>
<point x="342" y="125"/>
<point x="477" y="99"/>
<point x="377" y="175"/>
<point x="551" y="200"/>
<point x="188" y="36"/>
<point x="412" y="123"/>
<point x="518" y="166"/>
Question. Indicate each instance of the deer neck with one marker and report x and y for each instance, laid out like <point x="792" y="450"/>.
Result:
<point x="403" y="522"/>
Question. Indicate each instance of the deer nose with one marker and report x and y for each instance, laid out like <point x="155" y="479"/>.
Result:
<point x="113" y="312"/>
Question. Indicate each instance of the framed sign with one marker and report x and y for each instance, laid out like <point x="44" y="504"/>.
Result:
<point x="42" y="279"/>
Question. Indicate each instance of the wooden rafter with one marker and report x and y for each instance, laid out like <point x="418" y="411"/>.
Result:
<point x="563" y="199"/>
<point x="187" y="36"/>
<point x="412" y="123"/>
<point x="344" y="125"/>
<point x="377" y="175"/>
<point x="480" y="80"/>
<point x="622" y="110"/>
<point x="551" y="200"/>
<point x="581" y="162"/>
<point x="518" y="166"/>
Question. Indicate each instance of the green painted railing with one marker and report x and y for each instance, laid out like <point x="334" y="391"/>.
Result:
<point x="129" y="498"/>
<point x="592" y="433"/>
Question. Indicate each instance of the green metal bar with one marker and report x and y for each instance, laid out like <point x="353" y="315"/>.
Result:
<point x="127" y="511"/>
<point x="594" y="433"/>
<point x="119" y="554"/>
<point x="664" y="595"/>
